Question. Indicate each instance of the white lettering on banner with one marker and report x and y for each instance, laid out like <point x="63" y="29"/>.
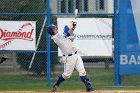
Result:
<point x="132" y="60"/>
<point x="123" y="59"/>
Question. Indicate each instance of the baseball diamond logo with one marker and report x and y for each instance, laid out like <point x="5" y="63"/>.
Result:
<point x="9" y="36"/>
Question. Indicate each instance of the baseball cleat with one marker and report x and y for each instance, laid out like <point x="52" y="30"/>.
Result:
<point x="89" y="88"/>
<point x="54" y="88"/>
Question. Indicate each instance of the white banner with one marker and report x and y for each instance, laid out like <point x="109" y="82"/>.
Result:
<point x="93" y="36"/>
<point x="17" y="35"/>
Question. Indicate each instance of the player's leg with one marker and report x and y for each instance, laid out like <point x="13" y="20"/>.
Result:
<point x="82" y="73"/>
<point x="68" y="69"/>
<point x="85" y="80"/>
<point x="60" y="80"/>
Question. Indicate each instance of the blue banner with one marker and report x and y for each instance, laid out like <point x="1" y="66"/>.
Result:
<point x="129" y="36"/>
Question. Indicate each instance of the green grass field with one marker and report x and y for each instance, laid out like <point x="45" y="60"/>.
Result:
<point x="100" y="79"/>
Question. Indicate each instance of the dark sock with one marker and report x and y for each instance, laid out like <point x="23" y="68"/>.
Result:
<point x="60" y="80"/>
<point x="85" y="80"/>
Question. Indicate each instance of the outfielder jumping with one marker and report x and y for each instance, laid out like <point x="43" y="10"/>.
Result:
<point x="72" y="58"/>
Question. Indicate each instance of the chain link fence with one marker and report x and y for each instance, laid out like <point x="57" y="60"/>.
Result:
<point x="15" y="70"/>
<point x="100" y="69"/>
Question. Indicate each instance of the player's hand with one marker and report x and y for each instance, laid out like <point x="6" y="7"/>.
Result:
<point x="72" y="25"/>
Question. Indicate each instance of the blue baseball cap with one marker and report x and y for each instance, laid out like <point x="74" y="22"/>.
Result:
<point x="50" y="29"/>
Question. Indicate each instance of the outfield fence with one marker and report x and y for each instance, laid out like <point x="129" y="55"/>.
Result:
<point x="41" y="66"/>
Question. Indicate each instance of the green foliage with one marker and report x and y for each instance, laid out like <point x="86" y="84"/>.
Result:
<point x="28" y="6"/>
<point x="21" y="6"/>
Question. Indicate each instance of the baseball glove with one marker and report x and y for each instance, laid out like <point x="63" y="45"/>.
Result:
<point x="3" y="58"/>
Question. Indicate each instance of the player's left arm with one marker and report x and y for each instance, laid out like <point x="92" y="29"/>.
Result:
<point x="69" y="28"/>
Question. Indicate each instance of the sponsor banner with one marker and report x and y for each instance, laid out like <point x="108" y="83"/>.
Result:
<point x="93" y="36"/>
<point x="129" y="37"/>
<point x="17" y="35"/>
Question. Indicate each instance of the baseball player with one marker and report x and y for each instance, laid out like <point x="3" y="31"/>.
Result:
<point x="70" y="54"/>
<point x="3" y="58"/>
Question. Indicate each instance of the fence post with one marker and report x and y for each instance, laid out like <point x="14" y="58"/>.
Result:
<point x="117" y="78"/>
<point x="48" y="65"/>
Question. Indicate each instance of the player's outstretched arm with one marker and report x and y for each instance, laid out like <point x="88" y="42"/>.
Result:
<point x="69" y="28"/>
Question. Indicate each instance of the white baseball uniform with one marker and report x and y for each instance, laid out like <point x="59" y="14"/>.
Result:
<point x="72" y="58"/>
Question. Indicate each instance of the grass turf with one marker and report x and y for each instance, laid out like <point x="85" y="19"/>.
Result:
<point x="99" y="79"/>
